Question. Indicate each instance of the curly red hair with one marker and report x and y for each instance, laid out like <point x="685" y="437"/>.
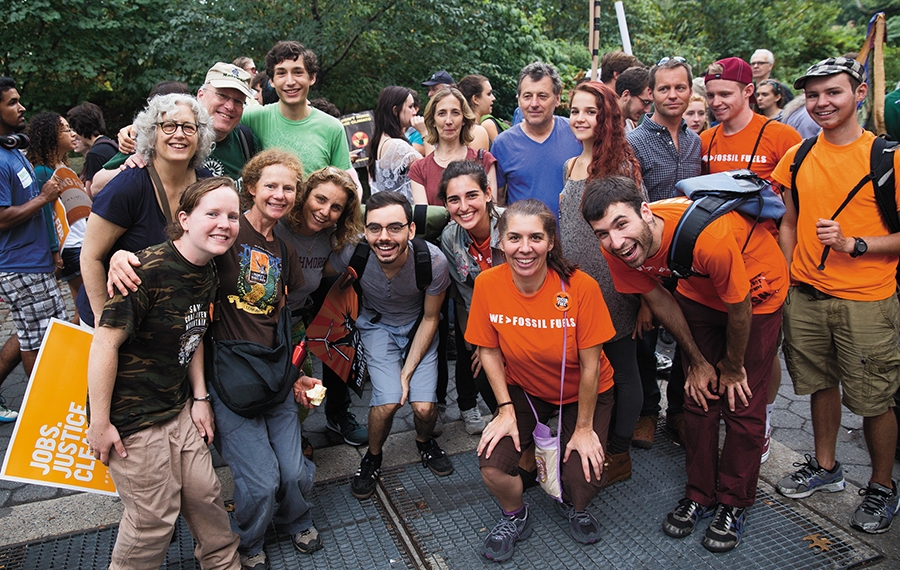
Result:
<point x="611" y="153"/>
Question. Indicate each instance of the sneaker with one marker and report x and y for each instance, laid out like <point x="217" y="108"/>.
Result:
<point x="811" y="478"/>
<point x="256" y="562"/>
<point x="663" y="363"/>
<point x="724" y="532"/>
<point x="765" y="452"/>
<point x="434" y="458"/>
<point x="7" y="415"/>
<point x="500" y="543"/>
<point x="681" y="522"/>
<point x="440" y="420"/>
<point x="307" y="541"/>
<point x="363" y="484"/>
<point x="877" y="511"/>
<point x="675" y="426"/>
<point x="644" y="432"/>
<point x="583" y="527"/>
<point x="350" y="429"/>
<point x="473" y="421"/>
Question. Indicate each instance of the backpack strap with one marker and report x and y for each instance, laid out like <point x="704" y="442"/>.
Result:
<point x="420" y="218"/>
<point x="422" y="259"/>
<point x="245" y="136"/>
<point x="804" y="149"/>
<point x="358" y="261"/>
<point x="716" y="130"/>
<point x="698" y="215"/>
<point x="756" y="146"/>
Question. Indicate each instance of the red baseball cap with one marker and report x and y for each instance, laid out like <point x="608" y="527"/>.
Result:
<point x="733" y="69"/>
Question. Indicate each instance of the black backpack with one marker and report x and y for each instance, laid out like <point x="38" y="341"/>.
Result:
<point x="245" y="136"/>
<point x="881" y="174"/>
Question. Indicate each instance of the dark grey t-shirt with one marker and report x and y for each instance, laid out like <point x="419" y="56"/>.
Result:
<point x="397" y="300"/>
<point x="313" y="251"/>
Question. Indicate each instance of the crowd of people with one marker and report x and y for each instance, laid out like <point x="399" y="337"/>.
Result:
<point x="219" y="220"/>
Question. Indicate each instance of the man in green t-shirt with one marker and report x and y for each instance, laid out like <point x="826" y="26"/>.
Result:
<point x="317" y="138"/>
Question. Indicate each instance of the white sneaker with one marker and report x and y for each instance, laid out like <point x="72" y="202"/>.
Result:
<point x="473" y="420"/>
<point x="7" y="415"/>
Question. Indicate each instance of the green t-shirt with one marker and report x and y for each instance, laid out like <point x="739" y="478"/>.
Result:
<point x="318" y="140"/>
<point x="892" y="114"/>
<point x="226" y="159"/>
<point x="166" y="319"/>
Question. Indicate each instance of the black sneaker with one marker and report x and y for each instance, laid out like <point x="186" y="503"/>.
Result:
<point x="434" y="458"/>
<point x="350" y="429"/>
<point x="724" y="532"/>
<point x="363" y="484"/>
<point x="583" y="526"/>
<point x="681" y="522"/>
<point x="500" y="544"/>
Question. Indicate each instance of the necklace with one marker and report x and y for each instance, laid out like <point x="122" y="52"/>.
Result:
<point x="451" y="156"/>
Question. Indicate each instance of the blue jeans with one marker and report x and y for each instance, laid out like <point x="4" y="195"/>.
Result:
<point x="265" y="457"/>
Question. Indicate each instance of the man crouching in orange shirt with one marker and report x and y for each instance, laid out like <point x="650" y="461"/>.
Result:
<point x="729" y="315"/>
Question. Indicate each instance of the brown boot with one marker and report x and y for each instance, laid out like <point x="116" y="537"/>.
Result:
<point x="618" y="467"/>
<point x="644" y="432"/>
<point x="675" y="426"/>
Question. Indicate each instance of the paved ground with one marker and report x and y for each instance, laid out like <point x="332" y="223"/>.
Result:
<point x="28" y="512"/>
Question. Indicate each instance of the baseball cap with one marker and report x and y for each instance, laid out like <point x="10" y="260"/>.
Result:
<point x="228" y="76"/>
<point x="733" y="69"/>
<point x="833" y="66"/>
<point x="439" y="77"/>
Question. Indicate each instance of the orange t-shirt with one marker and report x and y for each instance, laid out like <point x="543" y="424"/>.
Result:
<point x="529" y="330"/>
<point x="732" y="152"/>
<point x="827" y="175"/>
<point x="717" y="253"/>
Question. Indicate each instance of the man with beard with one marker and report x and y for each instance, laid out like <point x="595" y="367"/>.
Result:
<point x="397" y="324"/>
<point x="728" y="317"/>
<point x="27" y="283"/>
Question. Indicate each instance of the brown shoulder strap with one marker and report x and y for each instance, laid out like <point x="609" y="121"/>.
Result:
<point x="160" y="193"/>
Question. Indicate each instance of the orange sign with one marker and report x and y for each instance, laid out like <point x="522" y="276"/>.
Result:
<point x="49" y="444"/>
<point x="73" y="204"/>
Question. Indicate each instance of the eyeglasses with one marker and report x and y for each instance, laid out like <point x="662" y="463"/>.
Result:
<point x="393" y="229"/>
<point x="169" y="128"/>
<point x="223" y="98"/>
<point x="755" y="63"/>
<point x="676" y="59"/>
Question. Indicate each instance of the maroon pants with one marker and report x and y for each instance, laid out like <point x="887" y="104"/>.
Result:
<point x="575" y="489"/>
<point x="732" y="478"/>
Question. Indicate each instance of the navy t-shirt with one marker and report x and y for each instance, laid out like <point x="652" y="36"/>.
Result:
<point x="129" y="201"/>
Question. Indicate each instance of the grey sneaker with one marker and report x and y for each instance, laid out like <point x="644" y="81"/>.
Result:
<point x="500" y="544"/>
<point x="473" y="421"/>
<point x="583" y="526"/>
<point x="681" y="521"/>
<point x="307" y="541"/>
<point x="811" y="478"/>
<point x="350" y="429"/>
<point x="724" y="532"/>
<point x="7" y="415"/>
<point x="877" y="511"/>
<point x="255" y="562"/>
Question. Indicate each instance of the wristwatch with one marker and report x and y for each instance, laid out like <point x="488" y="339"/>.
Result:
<point x="859" y="248"/>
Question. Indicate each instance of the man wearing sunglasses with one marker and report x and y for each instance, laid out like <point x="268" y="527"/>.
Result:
<point x="633" y="89"/>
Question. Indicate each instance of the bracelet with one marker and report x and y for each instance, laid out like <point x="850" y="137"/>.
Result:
<point x="205" y="398"/>
<point x="509" y="403"/>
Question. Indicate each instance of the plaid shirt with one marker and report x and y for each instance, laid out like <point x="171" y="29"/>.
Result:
<point x="661" y="165"/>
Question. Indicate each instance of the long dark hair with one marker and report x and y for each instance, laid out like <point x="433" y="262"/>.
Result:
<point x="43" y="130"/>
<point x="387" y="120"/>
<point x="473" y="170"/>
<point x="611" y="153"/>
<point x="556" y="260"/>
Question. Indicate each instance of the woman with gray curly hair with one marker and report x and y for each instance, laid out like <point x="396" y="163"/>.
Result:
<point x="174" y="137"/>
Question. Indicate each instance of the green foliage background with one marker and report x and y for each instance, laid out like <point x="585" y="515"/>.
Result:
<point x="111" y="52"/>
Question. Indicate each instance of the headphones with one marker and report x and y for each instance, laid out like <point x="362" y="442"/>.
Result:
<point x="17" y="140"/>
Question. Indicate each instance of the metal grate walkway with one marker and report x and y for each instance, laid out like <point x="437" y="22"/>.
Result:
<point x="417" y="520"/>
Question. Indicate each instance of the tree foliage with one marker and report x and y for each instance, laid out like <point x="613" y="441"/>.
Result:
<point x="112" y="51"/>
